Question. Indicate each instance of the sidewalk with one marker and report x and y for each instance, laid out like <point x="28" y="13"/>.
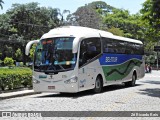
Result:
<point x="17" y="94"/>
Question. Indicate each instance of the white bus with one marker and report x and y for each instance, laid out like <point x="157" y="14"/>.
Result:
<point x="73" y="59"/>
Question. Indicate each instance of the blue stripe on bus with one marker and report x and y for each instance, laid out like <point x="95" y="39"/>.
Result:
<point x="113" y="59"/>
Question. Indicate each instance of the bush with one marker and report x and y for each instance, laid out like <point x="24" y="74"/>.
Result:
<point x="8" y="61"/>
<point x="21" y="64"/>
<point x="15" y="78"/>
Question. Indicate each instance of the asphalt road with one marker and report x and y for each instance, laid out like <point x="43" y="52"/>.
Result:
<point x="145" y="96"/>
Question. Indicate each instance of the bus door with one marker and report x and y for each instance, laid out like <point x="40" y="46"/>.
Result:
<point x="90" y="48"/>
<point x="83" y="72"/>
<point x="83" y="79"/>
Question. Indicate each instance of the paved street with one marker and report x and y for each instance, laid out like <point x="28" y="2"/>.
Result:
<point x="145" y="96"/>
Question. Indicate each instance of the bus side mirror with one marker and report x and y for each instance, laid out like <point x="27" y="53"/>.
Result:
<point x="28" y="46"/>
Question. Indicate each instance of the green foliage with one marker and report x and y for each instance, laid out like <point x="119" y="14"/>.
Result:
<point x="62" y="20"/>
<point x="24" y="22"/>
<point x="7" y="51"/>
<point x="1" y="2"/>
<point x="8" y="61"/>
<point x="151" y="20"/>
<point x="31" y="17"/>
<point x="32" y="51"/>
<point x="18" y="54"/>
<point x="13" y="30"/>
<point x="150" y="59"/>
<point x="4" y="25"/>
<point x="101" y="7"/>
<point x="21" y="64"/>
<point x="130" y="24"/>
<point x="116" y="31"/>
<point x="151" y="13"/>
<point x="15" y="78"/>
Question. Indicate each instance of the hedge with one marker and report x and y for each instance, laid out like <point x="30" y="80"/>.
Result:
<point x="11" y="78"/>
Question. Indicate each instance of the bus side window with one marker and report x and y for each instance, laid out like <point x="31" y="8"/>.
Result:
<point x="89" y="49"/>
<point x="83" y="52"/>
<point x="109" y="45"/>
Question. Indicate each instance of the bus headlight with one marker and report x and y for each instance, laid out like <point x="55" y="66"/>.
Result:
<point x="72" y="80"/>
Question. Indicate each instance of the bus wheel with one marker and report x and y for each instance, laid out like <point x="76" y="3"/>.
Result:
<point x="98" y="85"/>
<point x="131" y="83"/>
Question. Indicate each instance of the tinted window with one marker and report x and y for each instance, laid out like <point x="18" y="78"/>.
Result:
<point x="113" y="46"/>
<point x="89" y="49"/>
<point x="135" y="48"/>
<point x="139" y="49"/>
<point x="121" y="47"/>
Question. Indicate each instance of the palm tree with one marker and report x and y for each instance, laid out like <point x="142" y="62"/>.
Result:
<point x="61" y="15"/>
<point x="1" y="2"/>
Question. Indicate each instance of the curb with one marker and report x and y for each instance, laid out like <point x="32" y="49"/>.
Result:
<point x="17" y="94"/>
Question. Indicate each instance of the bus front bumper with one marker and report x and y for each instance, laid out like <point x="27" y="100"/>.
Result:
<point x="56" y="88"/>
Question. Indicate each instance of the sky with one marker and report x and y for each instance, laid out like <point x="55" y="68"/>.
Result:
<point x="132" y="5"/>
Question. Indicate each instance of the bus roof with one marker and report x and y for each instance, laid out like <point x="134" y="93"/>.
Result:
<point x="127" y="39"/>
<point x="75" y="31"/>
<point x="84" y="32"/>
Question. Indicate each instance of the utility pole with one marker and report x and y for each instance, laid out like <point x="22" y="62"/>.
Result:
<point x="157" y="49"/>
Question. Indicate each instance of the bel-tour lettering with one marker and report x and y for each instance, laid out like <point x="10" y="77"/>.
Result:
<point x="111" y="59"/>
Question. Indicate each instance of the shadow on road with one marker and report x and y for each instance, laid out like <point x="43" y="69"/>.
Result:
<point x="151" y="82"/>
<point x="153" y="92"/>
<point x="87" y="93"/>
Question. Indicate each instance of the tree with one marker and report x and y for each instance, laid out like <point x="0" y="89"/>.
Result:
<point x="116" y="31"/>
<point x="130" y="24"/>
<point x="20" y="42"/>
<point x="151" y="13"/>
<point x="87" y="17"/>
<point x="28" y="22"/>
<point x="54" y="17"/>
<point x="62" y="17"/>
<point x="1" y="2"/>
<point x="72" y="20"/>
<point x="101" y="7"/>
<point x="4" y="26"/>
<point x="155" y="13"/>
<point x="151" y="19"/>
<point x="29" y="17"/>
<point x="18" y="54"/>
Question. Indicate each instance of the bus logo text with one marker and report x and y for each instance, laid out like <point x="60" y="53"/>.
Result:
<point x="111" y="59"/>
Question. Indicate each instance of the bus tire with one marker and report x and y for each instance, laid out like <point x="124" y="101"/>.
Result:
<point x="133" y="82"/>
<point x="98" y="85"/>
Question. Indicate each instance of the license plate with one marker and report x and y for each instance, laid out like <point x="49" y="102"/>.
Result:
<point x="51" y="87"/>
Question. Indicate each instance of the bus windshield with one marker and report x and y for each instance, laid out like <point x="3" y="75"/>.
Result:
<point x="54" y="55"/>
